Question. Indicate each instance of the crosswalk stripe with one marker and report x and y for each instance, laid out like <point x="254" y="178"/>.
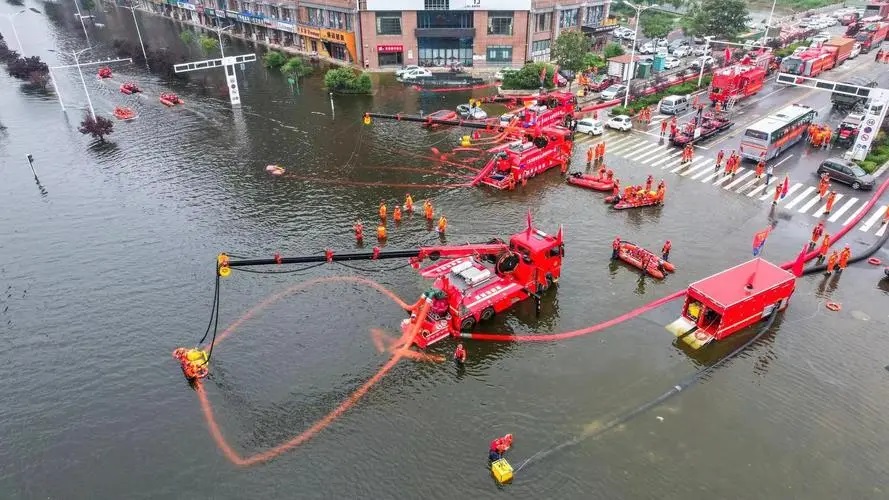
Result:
<point x="643" y="150"/>
<point x="706" y="171"/>
<point x="811" y="203"/>
<point x="662" y="160"/>
<point x="695" y="167"/>
<point x="809" y="190"/>
<point x="739" y="179"/>
<point x="842" y="210"/>
<point x="873" y="219"/>
<point x="609" y="143"/>
<point x="679" y="166"/>
<point x="652" y="154"/>
<point x="627" y="146"/>
<point x="726" y="177"/>
<point x="759" y="188"/>
<point x="855" y="214"/>
<point x="790" y="191"/>
<point x="713" y="174"/>
<point x="745" y="186"/>
<point x="882" y="229"/>
<point x="824" y="207"/>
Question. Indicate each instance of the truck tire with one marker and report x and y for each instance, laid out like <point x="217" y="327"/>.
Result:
<point x="487" y="314"/>
<point x="467" y="324"/>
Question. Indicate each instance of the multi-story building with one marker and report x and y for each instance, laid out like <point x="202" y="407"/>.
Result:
<point x="477" y="33"/>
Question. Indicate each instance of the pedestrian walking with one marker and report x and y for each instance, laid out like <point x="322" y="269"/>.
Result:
<point x="831" y="199"/>
<point x="770" y="171"/>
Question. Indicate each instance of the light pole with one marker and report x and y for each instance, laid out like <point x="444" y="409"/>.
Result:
<point x="15" y="32"/>
<point x="83" y="81"/>
<point x="768" y="25"/>
<point x="82" y="24"/>
<point x="639" y="11"/>
<point x="707" y="40"/>
<point x="219" y="34"/>
<point x="138" y="31"/>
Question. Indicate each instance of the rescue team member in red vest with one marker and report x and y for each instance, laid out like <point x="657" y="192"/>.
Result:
<point x="777" y="194"/>
<point x="823" y="185"/>
<point x="673" y="127"/>
<point x="825" y="247"/>
<point x="832" y="262"/>
<point x="817" y="231"/>
<point x="615" y="191"/>
<point x="663" y="127"/>
<point x="760" y="169"/>
<point x="648" y="183"/>
<point x="408" y="203"/>
<point x="589" y="156"/>
<point x="499" y="447"/>
<point x="460" y="355"/>
<point x="719" y="156"/>
<point x="615" y="248"/>
<point x="383" y="211"/>
<point x="844" y="258"/>
<point x="665" y="251"/>
<point x="396" y="214"/>
<point x="831" y="199"/>
<point x="359" y="231"/>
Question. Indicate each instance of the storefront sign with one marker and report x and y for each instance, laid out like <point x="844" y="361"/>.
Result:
<point x="187" y="6"/>
<point x="390" y="49"/>
<point x="285" y="26"/>
<point x="243" y="18"/>
<point x="452" y="5"/>
<point x="231" y="14"/>
<point x="335" y="36"/>
<point x="309" y="32"/>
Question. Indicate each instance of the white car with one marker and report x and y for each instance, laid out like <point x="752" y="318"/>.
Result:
<point x="590" y="126"/>
<point x="647" y="48"/>
<point x="671" y="62"/>
<point x="502" y="72"/>
<point x="706" y="61"/>
<point x="620" y="122"/>
<point x="820" y="39"/>
<point x="405" y="69"/>
<point x="416" y="73"/>
<point x="682" y="51"/>
<point x="856" y="51"/>
<point x="613" y="92"/>
<point x="700" y="51"/>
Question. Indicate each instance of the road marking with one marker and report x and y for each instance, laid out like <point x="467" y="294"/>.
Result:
<point x="701" y="164"/>
<point x="809" y="190"/>
<point x="824" y="207"/>
<point x="669" y="156"/>
<point x="873" y="219"/>
<point x="713" y="174"/>
<point x="855" y="214"/>
<point x="881" y="230"/>
<point x="643" y="150"/>
<point x="704" y="172"/>
<point x="759" y="188"/>
<point x="805" y="208"/>
<point x="626" y="146"/>
<point x="726" y="177"/>
<point x="738" y="179"/>
<point x="842" y="210"/>
<point x="614" y="143"/>
<point x="652" y="154"/>
<point x="678" y="167"/>
<point x="782" y="161"/>
<point x="745" y="186"/>
<point x="790" y="191"/>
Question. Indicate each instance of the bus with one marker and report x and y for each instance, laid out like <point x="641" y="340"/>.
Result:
<point x="776" y="133"/>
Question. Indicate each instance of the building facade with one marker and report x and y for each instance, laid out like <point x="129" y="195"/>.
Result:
<point x="473" y="33"/>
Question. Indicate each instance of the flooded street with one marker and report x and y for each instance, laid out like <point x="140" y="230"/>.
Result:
<point x="112" y="268"/>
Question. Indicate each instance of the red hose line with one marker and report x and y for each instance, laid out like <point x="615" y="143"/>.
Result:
<point x="379" y="184"/>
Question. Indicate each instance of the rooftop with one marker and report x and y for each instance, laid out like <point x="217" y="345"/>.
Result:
<point x="730" y="286"/>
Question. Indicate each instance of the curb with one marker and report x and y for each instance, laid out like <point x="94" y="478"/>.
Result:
<point x="878" y="172"/>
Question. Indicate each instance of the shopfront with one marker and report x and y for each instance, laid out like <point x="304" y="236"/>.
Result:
<point x="339" y="44"/>
<point x="309" y="39"/>
<point x="390" y="55"/>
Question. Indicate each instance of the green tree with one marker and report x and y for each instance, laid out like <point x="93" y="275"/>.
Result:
<point x="528" y="78"/>
<point x="655" y="24"/>
<point x="594" y="61"/>
<point x="570" y="49"/>
<point x="274" y="59"/>
<point x="346" y="81"/>
<point x="88" y="5"/>
<point x="207" y="43"/>
<point x="187" y="37"/>
<point x="613" y="50"/>
<point x="719" y="18"/>
<point x="296" y="68"/>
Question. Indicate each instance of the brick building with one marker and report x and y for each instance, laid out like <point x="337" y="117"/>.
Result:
<point x="477" y="33"/>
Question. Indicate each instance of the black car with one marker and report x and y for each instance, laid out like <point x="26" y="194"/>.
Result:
<point x="845" y="171"/>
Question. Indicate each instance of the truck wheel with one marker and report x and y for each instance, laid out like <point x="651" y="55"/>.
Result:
<point x="467" y="324"/>
<point x="487" y="314"/>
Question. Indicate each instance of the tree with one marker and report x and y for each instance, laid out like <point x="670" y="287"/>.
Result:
<point x="274" y="59"/>
<point x="613" y="50"/>
<point x="593" y="61"/>
<point x="718" y="18"/>
<point x="296" y="67"/>
<point x="187" y="37"/>
<point x="24" y="67"/>
<point x="528" y="78"/>
<point x="570" y="49"/>
<point x="346" y="81"/>
<point x="88" y="5"/>
<point x="207" y="43"/>
<point x="98" y="128"/>
<point x="655" y="24"/>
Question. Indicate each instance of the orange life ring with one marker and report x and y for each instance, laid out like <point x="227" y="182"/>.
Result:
<point x="875" y="261"/>
<point x="833" y="306"/>
<point x="179" y="354"/>
<point x="700" y="335"/>
<point x="201" y="371"/>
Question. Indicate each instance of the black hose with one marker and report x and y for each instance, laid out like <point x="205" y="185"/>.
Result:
<point x="291" y="271"/>
<point x="858" y="258"/>
<point x="676" y="389"/>
<point x="213" y="309"/>
<point x="215" y="328"/>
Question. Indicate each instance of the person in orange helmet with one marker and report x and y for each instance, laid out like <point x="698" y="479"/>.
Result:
<point x="442" y="224"/>
<point x="665" y="251"/>
<point x="648" y="182"/>
<point x="396" y="214"/>
<point x="663" y="128"/>
<point x="359" y="231"/>
<point x="825" y="247"/>
<point x="589" y="155"/>
<point x="460" y="355"/>
<point x="408" y="203"/>
<point x="844" y="258"/>
<point x="382" y="210"/>
<point x="615" y="248"/>
<point x="832" y="262"/>
<point x="831" y="199"/>
<point x="381" y="232"/>
<point x="428" y="212"/>
<point x="817" y="231"/>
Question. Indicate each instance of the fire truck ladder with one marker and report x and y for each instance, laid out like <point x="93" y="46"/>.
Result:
<point x="875" y="109"/>
<point x="731" y="102"/>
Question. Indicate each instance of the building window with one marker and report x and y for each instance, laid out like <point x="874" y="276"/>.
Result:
<point x="540" y="50"/>
<point x="568" y="18"/>
<point x="436" y="4"/>
<point x="438" y="19"/>
<point x="499" y="23"/>
<point x="391" y="59"/>
<point x="444" y="51"/>
<point x="543" y="22"/>
<point x="594" y="15"/>
<point x="389" y="23"/>
<point x="499" y="53"/>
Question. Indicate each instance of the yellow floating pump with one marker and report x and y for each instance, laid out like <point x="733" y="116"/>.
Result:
<point x="465" y="141"/>
<point x="502" y="471"/>
<point x="367" y="119"/>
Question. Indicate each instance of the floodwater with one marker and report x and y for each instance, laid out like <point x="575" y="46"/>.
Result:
<point x="107" y="266"/>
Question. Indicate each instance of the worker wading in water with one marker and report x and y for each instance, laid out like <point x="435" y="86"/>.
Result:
<point x="381" y="232"/>
<point x="665" y="251"/>
<point x="844" y="258"/>
<point x="428" y="212"/>
<point x="359" y="231"/>
<point x="832" y="262"/>
<point x="442" y="225"/>
<point x="408" y="203"/>
<point x="615" y="248"/>
<point x="382" y="211"/>
<point x="396" y="214"/>
<point x="499" y="447"/>
<point x="589" y="155"/>
<point x="719" y="156"/>
<point x="460" y="355"/>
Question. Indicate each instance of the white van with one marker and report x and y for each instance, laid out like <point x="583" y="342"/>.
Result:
<point x="674" y="104"/>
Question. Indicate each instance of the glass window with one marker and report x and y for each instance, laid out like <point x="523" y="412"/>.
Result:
<point x="540" y="46"/>
<point x="499" y="23"/>
<point x="436" y="4"/>
<point x="594" y="15"/>
<point x="568" y="18"/>
<point x="499" y="53"/>
<point x="756" y="134"/>
<point x="389" y="23"/>
<point x="543" y="22"/>
<point x="448" y="19"/>
<point x="444" y="51"/>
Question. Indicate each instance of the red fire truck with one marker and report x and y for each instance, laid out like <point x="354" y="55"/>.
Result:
<point x="872" y="35"/>
<point x="739" y="80"/>
<point x="877" y="9"/>
<point x="811" y="62"/>
<point x="536" y="153"/>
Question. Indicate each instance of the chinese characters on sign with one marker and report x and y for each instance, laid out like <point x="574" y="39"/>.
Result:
<point x="390" y="49"/>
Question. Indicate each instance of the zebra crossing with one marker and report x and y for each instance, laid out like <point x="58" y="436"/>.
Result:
<point x="800" y="198"/>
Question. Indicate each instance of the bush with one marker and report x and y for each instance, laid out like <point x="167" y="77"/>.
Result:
<point x="207" y="43"/>
<point x="23" y="67"/>
<point x="879" y="154"/>
<point x="98" y="128"/>
<point x="594" y="61"/>
<point x="296" y="67"/>
<point x="528" y="78"/>
<point x="346" y="81"/>
<point x="786" y="51"/>
<point x="274" y="59"/>
<point x="638" y="103"/>
<point x="613" y="50"/>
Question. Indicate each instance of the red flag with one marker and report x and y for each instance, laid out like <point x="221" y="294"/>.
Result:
<point x="728" y="56"/>
<point x="529" y="221"/>
<point x="556" y="75"/>
<point x="759" y="239"/>
<point x="785" y="187"/>
<point x="800" y="262"/>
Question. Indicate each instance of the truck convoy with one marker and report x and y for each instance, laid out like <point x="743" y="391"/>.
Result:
<point x="869" y="32"/>
<point x="816" y="60"/>
<point x="851" y="93"/>
<point x="880" y="9"/>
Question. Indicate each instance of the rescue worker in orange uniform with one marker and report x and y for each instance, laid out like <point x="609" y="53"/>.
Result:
<point x="381" y="232"/>
<point x="460" y="355"/>
<point x="665" y="251"/>
<point x="601" y="173"/>
<point x="673" y="126"/>
<point x="844" y="258"/>
<point x="735" y="164"/>
<point x="719" y="156"/>
<point x="777" y="197"/>
<point x="589" y="155"/>
<point x="817" y="231"/>
<point x="615" y="191"/>
<point x="442" y="224"/>
<point x="396" y="214"/>
<point x="499" y="447"/>
<point x="601" y="151"/>
<point x="383" y="210"/>
<point x="359" y="231"/>
<point x="825" y="247"/>
<point x="609" y="174"/>
<point x="661" y="192"/>
<point x="760" y="169"/>
<point x="648" y="182"/>
<point x="826" y="138"/>
<point x="663" y="128"/>
<point x="427" y="210"/>
<point x="823" y="186"/>
<point x="832" y="262"/>
<point x="408" y="203"/>
<point x="831" y="199"/>
<point x="729" y="164"/>
<point x="615" y="248"/>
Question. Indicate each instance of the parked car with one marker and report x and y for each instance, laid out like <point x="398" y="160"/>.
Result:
<point x="620" y="122"/>
<point x="674" y="104"/>
<point x="682" y="51"/>
<point x="856" y="51"/>
<point x="405" y="69"/>
<point x="502" y="72"/>
<point x="590" y="126"/>
<point x="613" y="92"/>
<point x="675" y="44"/>
<point x="671" y="62"/>
<point x="820" y="39"/>
<point x="845" y="171"/>
<point x="415" y="73"/>
<point x="706" y="61"/>
<point x="703" y="50"/>
<point x="600" y="83"/>
<point x="647" y="48"/>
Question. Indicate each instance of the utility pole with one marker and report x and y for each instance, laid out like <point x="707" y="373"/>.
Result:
<point x="15" y="32"/>
<point x="77" y="64"/>
<point x="138" y="31"/>
<point x="82" y="24"/>
<point x="227" y="63"/>
<point x="639" y="11"/>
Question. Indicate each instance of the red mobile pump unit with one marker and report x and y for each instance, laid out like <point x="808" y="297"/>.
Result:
<point x="535" y="154"/>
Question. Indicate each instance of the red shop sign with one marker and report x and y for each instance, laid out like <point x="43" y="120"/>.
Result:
<point x="390" y="49"/>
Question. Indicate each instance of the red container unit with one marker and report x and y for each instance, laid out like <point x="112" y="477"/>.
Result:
<point x="811" y="62"/>
<point x="727" y="302"/>
<point x="736" y="80"/>
<point x="521" y="160"/>
<point x="878" y="9"/>
<point x="871" y="36"/>
<point x="840" y="48"/>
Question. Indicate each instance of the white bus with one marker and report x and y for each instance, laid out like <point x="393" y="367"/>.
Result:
<point x="777" y="132"/>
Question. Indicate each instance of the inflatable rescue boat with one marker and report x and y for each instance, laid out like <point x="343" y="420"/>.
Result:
<point x="170" y="99"/>
<point x="124" y="113"/>
<point x="593" y="182"/>
<point x="104" y="72"/>
<point x="130" y="88"/>
<point x="644" y="260"/>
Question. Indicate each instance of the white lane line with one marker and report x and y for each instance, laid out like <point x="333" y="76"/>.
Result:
<point x="712" y="164"/>
<point x="842" y="210"/>
<point x="745" y="186"/>
<point x="805" y="208"/>
<point x="873" y="218"/>
<point x="728" y="177"/>
<point x="680" y="166"/>
<point x="642" y="151"/>
<point x="627" y="146"/>
<point x="855" y="214"/>
<point x="821" y="209"/>
<point x="809" y="190"/>
<point x="790" y="191"/>
<point x="671" y="155"/>
<point x="701" y="164"/>
<point x="738" y="179"/>
<point x="759" y="188"/>
<point x="881" y="230"/>
<point x="652" y="154"/>
<point x="713" y="173"/>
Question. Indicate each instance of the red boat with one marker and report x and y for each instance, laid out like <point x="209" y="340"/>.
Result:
<point x="104" y="72"/>
<point x="623" y="203"/>
<point x="593" y="182"/>
<point x="124" y="113"/>
<point x="645" y="260"/>
<point x="525" y="159"/>
<point x="729" y="301"/>
<point x="130" y="88"/>
<point x="170" y="99"/>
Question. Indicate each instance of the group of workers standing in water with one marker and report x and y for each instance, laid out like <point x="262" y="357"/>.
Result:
<point x="397" y="214"/>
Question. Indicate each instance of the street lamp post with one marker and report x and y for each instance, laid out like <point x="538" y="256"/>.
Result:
<point x="768" y="25"/>
<point x="639" y="11"/>
<point x="138" y="31"/>
<point x="83" y="81"/>
<point x="219" y="34"/>
<point x="707" y="40"/>
<point x="15" y="32"/>
<point x="82" y="24"/>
